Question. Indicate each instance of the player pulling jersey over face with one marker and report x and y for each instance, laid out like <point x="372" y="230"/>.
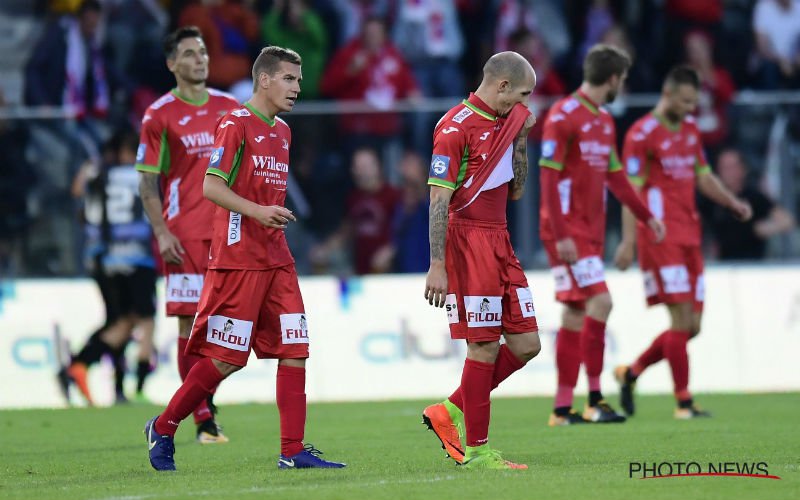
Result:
<point x="479" y="161"/>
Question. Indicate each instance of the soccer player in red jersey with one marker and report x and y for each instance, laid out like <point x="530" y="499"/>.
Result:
<point x="663" y="155"/>
<point x="479" y="162"/>
<point x="176" y="141"/>
<point x="578" y="160"/>
<point x="251" y="296"/>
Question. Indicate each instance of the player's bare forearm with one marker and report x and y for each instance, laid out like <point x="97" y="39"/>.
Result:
<point x="520" y="165"/>
<point x="628" y="226"/>
<point x="151" y="201"/>
<point x="437" y="222"/>
<point x="216" y="190"/>
<point x="711" y="187"/>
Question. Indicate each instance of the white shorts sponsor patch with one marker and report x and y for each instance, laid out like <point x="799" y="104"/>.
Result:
<point x="228" y="332"/>
<point x="561" y="275"/>
<point x="184" y="287"/>
<point x="294" y="328"/>
<point x="483" y="310"/>
<point x="700" y="289"/>
<point x="451" y="305"/>
<point x="650" y="284"/>
<point x="526" y="302"/>
<point x="675" y="279"/>
<point x="588" y="271"/>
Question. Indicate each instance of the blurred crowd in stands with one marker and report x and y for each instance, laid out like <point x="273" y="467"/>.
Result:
<point x="362" y="175"/>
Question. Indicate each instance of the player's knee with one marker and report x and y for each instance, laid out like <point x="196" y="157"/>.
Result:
<point x="531" y="349"/>
<point x="225" y="368"/>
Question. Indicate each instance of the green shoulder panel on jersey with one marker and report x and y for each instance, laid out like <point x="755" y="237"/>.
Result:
<point x="433" y="181"/>
<point x="551" y="164"/>
<point x="462" y="169"/>
<point x="267" y="120"/>
<point x="478" y="110"/>
<point x="586" y="103"/>
<point x="237" y="162"/>
<point x="614" y="165"/>
<point x="644" y="172"/>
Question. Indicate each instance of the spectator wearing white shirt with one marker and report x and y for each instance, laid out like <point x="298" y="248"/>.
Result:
<point x="776" y="24"/>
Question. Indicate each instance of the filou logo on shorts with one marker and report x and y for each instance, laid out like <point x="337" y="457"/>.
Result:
<point x="228" y="332"/>
<point x="184" y="287"/>
<point x="483" y="310"/>
<point x="294" y="328"/>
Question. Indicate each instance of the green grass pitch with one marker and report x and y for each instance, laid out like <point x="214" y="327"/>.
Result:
<point x="101" y="454"/>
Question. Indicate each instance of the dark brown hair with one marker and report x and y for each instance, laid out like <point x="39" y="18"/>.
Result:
<point x="604" y="61"/>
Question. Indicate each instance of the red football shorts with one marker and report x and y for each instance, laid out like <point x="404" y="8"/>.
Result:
<point x="584" y="279"/>
<point x="672" y="273"/>
<point x="241" y="310"/>
<point x="487" y="291"/>
<point x="185" y="281"/>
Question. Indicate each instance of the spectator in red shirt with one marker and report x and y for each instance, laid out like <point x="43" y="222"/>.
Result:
<point x="367" y="225"/>
<point x="370" y="69"/>
<point x="716" y="90"/>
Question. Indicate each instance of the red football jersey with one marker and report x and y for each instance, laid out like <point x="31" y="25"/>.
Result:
<point x="461" y="141"/>
<point x="665" y="160"/>
<point x="251" y="153"/>
<point x="579" y="140"/>
<point x="176" y="140"/>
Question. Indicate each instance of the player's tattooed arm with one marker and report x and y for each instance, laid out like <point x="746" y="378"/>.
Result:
<point x="151" y="199"/>
<point x="436" y="281"/>
<point x="520" y="164"/>
<point x="437" y="221"/>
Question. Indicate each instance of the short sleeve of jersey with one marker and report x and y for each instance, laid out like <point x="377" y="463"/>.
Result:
<point x="226" y="156"/>
<point x="614" y="164"/>
<point x="555" y="140"/>
<point x="634" y="156"/>
<point x="701" y="166"/>
<point x="448" y="163"/>
<point x="153" y="152"/>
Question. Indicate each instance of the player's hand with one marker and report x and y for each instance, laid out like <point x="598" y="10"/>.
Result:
<point x="436" y="284"/>
<point x="742" y="210"/>
<point x="530" y="121"/>
<point x="567" y="251"/>
<point x="623" y="258"/>
<point x="170" y="248"/>
<point x="658" y="228"/>
<point x="274" y="216"/>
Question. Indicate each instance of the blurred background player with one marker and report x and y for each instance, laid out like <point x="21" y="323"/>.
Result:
<point x="578" y="159"/>
<point x="479" y="162"/>
<point x="663" y="154"/>
<point x="120" y="258"/>
<point x="251" y="297"/>
<point x="176" y="141"/>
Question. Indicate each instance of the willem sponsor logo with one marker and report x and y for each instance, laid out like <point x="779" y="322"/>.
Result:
<point x="663" y="470"/>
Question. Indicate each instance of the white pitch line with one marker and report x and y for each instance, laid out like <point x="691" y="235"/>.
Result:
<point x="258" y="489"/>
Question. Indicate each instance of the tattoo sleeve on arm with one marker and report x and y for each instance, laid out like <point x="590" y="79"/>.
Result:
<point x="520" y="162"/>
<point x="437" y="231"/>
<point x="151" y="199"/>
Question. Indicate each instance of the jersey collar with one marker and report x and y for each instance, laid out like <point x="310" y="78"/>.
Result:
<point x="586" y="101"/>
<point x="477" y="105"/>
<point x="180" y="96"/>
<point x="672" y="127"/>
<point x="259" y="114"/>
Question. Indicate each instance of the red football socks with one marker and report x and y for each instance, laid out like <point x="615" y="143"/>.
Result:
<point x="568" y="363"/>
<point x="199" y="383"/>
<point x="651" y="355"/>
<point x="291" y="398"/>
<point x="476" y="383"/>
<point x="504" y="366"/>
<point x="593" y="344"/>
<point x="185" y="363"/>
<point x="678" y="357"/>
